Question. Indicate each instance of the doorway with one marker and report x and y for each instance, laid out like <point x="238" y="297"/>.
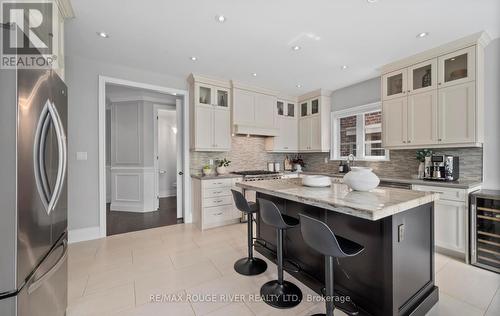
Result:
<point x="145" y="133"/>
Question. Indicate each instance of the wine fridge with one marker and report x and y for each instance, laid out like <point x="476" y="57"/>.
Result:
<point x="485" y="229"/>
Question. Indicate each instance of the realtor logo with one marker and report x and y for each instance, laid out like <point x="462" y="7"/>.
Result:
<point x="29" y="34"/>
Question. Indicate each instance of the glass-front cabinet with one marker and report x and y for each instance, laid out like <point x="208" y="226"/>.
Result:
<point x="208" y="95"/>
<point x="303" y="109"/>
<point x="314" y="106"/>
<point x="285" y="108"/>
<point x="422" y="77"/>
<point x="457" y="67"/>
<point x="222" y="97"/>
<point x="394" y="84"/>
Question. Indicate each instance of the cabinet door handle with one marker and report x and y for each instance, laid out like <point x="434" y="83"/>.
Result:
<point x="409" y="141"/>
<point x="218" y="214"/>
<point x="440" y="140"/>
<point x="439" y="83"/>
<point x="218" y="201"/>
<point x="404" y="141"/>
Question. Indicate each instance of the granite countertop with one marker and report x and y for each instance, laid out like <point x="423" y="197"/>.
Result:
<point x="215" y="176"/>
<point x="460" y="184"/>
<point x="373" y="205"/>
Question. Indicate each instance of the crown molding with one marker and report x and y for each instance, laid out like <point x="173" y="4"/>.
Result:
<point x="65" y="8"/>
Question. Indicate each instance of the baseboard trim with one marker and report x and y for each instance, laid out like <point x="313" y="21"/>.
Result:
<point x="128" y="208"/>
<point x="83" y="234"/>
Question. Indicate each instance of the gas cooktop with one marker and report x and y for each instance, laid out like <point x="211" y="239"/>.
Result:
<point x="255" y="172"/>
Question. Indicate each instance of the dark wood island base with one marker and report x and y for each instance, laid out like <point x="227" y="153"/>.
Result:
<point x="394" y="275"/>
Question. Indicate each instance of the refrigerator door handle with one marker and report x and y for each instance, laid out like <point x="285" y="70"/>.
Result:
<point x="36" y="283"/>
<point x="62" y="151"/>
<point x="49" y="114"/>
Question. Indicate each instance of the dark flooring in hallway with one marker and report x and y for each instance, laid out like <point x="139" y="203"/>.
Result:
<point x="124" y="222"/>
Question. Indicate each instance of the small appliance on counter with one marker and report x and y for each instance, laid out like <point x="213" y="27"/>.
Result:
<point x="441" y="168"/>
<point x="485" y="229"/>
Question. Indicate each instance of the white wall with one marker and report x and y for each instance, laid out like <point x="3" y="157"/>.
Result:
<point x="361" y="93"/>
<point x="83" y="176"/>
<point x="491" y="148"/>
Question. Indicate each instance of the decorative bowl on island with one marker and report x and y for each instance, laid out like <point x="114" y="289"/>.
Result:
<point x="361" y="179"/>
<point x="316" y="181"/>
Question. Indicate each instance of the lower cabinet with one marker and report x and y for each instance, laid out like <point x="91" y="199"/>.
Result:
<point x="212" y="202"/>
<point x="451" y="219"/>
<point x="449" y="226"/>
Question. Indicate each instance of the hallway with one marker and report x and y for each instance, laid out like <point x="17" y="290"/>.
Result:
<point x="118" y="222"/>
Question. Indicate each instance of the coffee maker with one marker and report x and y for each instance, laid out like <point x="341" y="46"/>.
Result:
<point x="441" y="168"/>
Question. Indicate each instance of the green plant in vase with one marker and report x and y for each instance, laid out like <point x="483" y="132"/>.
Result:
<point x="222" y="165"/>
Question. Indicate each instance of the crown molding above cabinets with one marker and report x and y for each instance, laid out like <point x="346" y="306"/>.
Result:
<point x="65" y="8"/>
<point x="435" y="99"/>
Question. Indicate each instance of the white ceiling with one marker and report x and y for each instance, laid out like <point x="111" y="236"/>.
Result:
<point x="161" y="35"/>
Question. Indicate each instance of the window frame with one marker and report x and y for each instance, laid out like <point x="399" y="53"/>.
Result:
<point x="359" y="112"/>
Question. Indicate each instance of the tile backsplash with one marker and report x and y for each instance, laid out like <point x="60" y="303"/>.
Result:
<point x="249" y="153"/>
<point x="403" y="164"/>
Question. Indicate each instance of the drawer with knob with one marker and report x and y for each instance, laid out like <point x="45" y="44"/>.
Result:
<point x="218" y="201"/>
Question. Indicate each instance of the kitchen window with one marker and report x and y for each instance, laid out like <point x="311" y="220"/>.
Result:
<point x="358" y="131"/>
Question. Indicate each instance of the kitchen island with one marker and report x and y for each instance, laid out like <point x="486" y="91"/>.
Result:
<point x="394" y="275"/>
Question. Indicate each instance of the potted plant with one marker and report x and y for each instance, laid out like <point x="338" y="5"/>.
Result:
<point x="298" y="163"/>
<point x="207" y="170"/>
<point x="222" y="165"/>
<point x="421" y="154"/>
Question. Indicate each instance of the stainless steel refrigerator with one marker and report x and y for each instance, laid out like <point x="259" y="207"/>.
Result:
<point x="33" y="194"/>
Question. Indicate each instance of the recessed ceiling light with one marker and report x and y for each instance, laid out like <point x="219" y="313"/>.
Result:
<point x="371" y="1"/>
<point x="423" y="34"/>
<point x="103" y="34"/>
<point x="220" y="18"/>
<point x="299" y="85"/>
<point x="254" y="74"/>
<point x="296" y="47"/>
<point x="193" y="58"/>
<point x="344" y="67"/>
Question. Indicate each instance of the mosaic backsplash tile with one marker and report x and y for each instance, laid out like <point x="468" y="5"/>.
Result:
<point x="249" y="153"/>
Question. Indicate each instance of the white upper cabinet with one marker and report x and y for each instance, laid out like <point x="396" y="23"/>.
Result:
<point x="422" y="117"/>
<point x="395" y="122"/>
<point x="422" y="77"/>
<point x="254" y="110"/>
<point x="210" y="115"/>
<point x="436" y="98"/>
<point x="457" y="67"/>
<point x="394" y="84"/>
<point x="457" y="114"/>
<point x="287" y="124"/>
<point x="264" y="111"/>
<point x="314" y="121"/>
<point x="244" y="109"/>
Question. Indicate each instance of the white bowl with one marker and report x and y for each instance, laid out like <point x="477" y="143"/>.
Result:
<point x="316" y="181"/>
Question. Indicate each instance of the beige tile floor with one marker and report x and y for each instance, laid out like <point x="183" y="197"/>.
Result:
<point x="117" y="276"/>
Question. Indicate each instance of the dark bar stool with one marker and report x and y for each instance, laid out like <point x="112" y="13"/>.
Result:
<point x="279" y="293"/>
<point x="249" y="265"/>
<point x="322" y="239"/>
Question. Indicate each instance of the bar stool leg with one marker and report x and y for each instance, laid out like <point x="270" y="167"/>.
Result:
<point x="280" y="293"/>
<point x="329" y="285"/>
<point x="250" y="265"/>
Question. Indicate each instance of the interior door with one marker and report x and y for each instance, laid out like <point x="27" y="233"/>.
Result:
<point x="167" y="145"/>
